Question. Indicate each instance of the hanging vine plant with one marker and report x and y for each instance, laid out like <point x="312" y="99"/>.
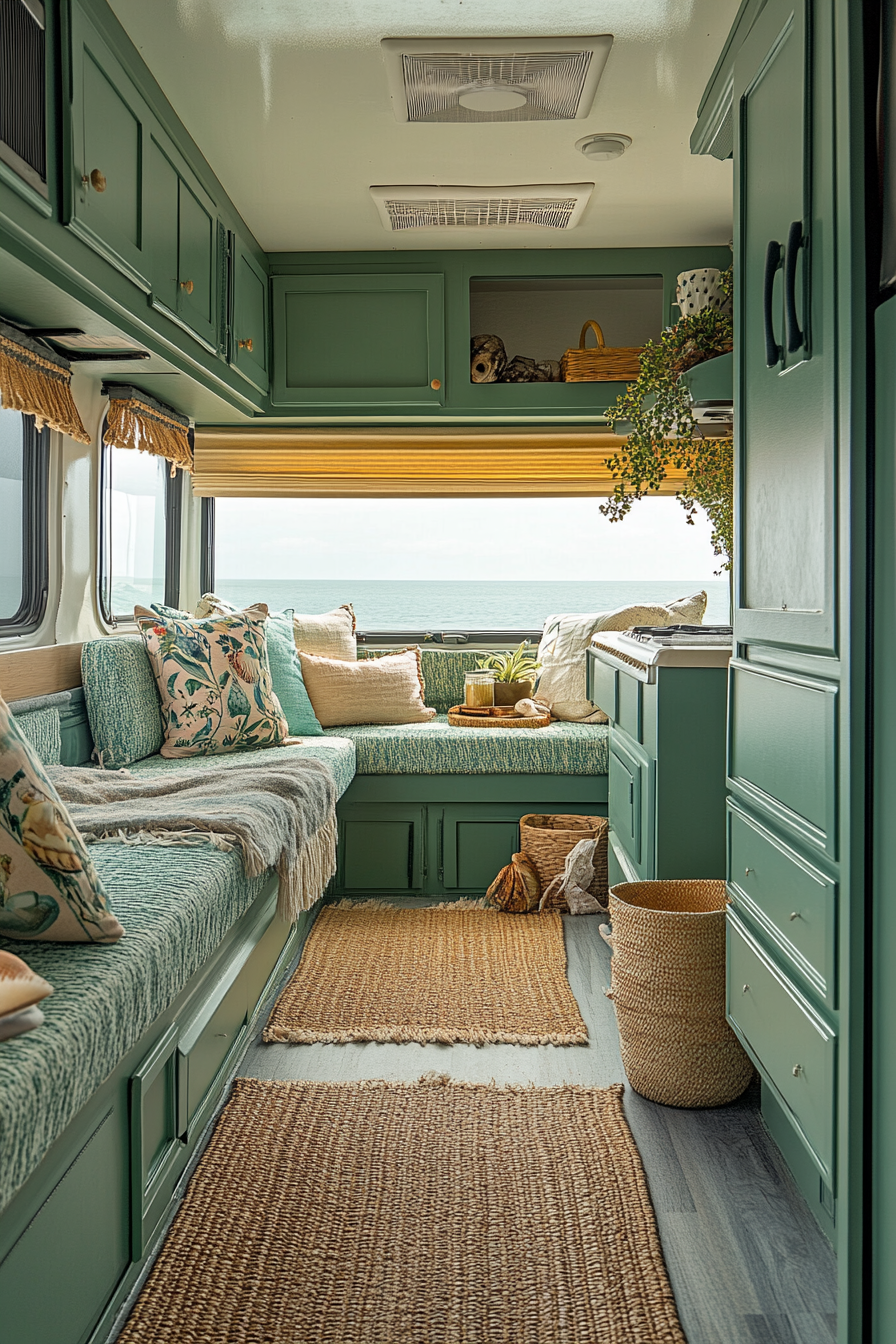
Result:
<point x="664" y="435"/>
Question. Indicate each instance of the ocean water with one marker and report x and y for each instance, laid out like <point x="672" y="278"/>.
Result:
<point x="445" y="605"/>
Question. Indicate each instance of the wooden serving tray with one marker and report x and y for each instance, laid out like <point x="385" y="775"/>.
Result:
<point x="459" y="717"/>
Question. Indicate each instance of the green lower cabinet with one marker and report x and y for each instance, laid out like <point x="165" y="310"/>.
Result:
<point x="475" y="844"/>
<point x="59" y="1275"/>
<point x="158" y="1154"/>
<point x="381" y="849"/>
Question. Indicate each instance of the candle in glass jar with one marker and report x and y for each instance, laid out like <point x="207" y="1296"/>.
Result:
<point x="479" y="689"/>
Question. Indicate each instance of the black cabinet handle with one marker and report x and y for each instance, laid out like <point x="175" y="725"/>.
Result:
<point x="773" y="351"/>
<point x="795" y="240"/>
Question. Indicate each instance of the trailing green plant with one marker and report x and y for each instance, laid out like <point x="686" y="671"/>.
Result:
<point x="517" y="665"/>
<point x="664" y="435"/>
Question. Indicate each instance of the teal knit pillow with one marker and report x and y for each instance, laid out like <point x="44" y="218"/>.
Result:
<point x="123" y="704"/>
<point x="286" y="675"/>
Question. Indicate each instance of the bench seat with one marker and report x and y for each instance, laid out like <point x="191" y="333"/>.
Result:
<point x="437" y="748"/>
<point x="176" y="906"/>
<point x="337" y="751"/>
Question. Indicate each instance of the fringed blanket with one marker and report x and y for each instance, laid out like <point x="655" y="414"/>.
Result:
<point x="280" y="815"/>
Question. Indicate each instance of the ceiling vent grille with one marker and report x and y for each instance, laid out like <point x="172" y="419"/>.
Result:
<point x="536" y="207"/>
<point x="490" y="79"/>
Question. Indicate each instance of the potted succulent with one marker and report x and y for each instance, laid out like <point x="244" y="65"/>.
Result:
<point x="515" y="673"/>
<point x="662" y="432"/>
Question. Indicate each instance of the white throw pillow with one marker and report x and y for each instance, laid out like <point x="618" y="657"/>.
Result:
<point x="331" y="635"/>
<point x="566" y="637"/>
<point x="389" y="689"/>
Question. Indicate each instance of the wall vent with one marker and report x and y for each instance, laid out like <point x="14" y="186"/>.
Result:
<point x="23" y="146"/>
<point x="494" y="79"/>
<point x="517" y="207"/>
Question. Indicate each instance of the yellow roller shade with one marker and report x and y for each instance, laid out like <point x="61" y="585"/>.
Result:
<point x="416" y="463"/>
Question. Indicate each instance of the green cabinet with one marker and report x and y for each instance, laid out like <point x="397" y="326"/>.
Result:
<point x="475" y="843"/>
<point x="249" y="315"/>
<point x="183" y="231"/>
<point x="109" y="129"/>
<point x="381" y="849"/>
<point x="357" y="340"/>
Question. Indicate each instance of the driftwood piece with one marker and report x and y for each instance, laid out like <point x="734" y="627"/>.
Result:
<point x="523" y="370"/>
<point x="551" y="368"/>
<point x="488" y="359"/>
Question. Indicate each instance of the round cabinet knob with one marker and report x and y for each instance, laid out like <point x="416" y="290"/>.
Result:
<point x="246" y="345"/>
<point x="747" y="872"/>
<point x="797" y="1070"/>
<point x="436" y="384"/>
<point x="187" y="286"/>
<point x="794" y="914"/>
<point x="746" y="989"/>
<point x="98" y="180"/>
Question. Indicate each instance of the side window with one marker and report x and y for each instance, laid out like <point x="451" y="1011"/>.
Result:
<point x="24" y="558"/>
<point x="139" y="533"/>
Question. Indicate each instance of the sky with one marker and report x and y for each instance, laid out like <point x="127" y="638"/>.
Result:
<point x="463" y="539"/>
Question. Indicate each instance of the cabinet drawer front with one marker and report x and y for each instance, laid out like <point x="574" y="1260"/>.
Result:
<point x="602" y="685"/>
<point x="263" y="959"/>
<point x="782" y="750"/>
<point x="791" y="900"/>
<point x="793" y="1048"/>
<point x="624" y="810"/>
<point x="205" y="1054"/>
<point x="629" y="711"/>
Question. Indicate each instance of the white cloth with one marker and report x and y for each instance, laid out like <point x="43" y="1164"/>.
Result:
<point x="566" y="637"/>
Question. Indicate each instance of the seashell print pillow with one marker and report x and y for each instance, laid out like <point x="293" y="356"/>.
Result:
<point x="49" y="888"/>
<point x="214" y="681"/>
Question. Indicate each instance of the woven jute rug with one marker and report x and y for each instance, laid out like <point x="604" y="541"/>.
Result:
<point x="435" y="1212"/>
<point x="453" y="972"/>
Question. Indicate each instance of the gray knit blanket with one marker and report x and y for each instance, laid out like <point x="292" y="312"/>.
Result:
<point x="280" y="815"/>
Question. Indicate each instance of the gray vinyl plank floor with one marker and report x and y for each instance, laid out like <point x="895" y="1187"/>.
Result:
<point x="747" y="1262"/>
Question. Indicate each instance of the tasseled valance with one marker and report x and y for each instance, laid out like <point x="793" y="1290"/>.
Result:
<point x="37" y="381"/>
<point x="136" y="420"/>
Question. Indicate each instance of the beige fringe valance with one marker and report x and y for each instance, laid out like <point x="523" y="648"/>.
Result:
<point x="37" y="381"/>
<point x="136" y="420"/>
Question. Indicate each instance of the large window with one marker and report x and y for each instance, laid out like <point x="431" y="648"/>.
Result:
<point x="419" y="567"/>
<point x="24" y="564"/>
<point x="139" y="533"/>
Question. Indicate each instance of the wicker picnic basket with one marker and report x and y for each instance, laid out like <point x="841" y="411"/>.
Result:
<point x="601" y="363"/>
<point x="668" y="988"/>
<point x="547" y="840"/>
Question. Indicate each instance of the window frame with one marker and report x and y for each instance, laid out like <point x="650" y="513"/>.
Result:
<point x="173" y="530"/>
<point x="35" y="532"/>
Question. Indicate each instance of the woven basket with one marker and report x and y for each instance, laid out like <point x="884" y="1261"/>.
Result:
<point x="668" y="987"/>
<point x="547" y="840"/>
<point x="601" y="364"/>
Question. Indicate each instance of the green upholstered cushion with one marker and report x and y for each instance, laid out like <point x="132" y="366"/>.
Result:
<point x="43" y="730"/>
<point x="123" y="703"/>
<point x="443" y="672"/>
<point x="177" y="905"/>
<point x="338" y="752"/>
<point x="435" y="748"/>
<point x="286" y="675"/>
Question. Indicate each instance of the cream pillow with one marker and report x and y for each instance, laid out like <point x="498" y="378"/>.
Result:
<point x="331" y="635"/>
<point x="373" y="690"/>
<point x="565" y="639"/>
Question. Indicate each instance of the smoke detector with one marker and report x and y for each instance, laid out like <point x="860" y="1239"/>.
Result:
<point x="529" y="207"/>
<point x="609" y="145"/>
<point x="481" y="79"/>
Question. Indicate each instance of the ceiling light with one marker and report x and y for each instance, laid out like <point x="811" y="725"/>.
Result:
<point x="492" y="98"/>
<point x="609" y="145"/>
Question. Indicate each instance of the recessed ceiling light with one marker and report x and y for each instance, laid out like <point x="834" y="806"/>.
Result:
<point x="608" y="145"/>
<point x="492" y="98"/>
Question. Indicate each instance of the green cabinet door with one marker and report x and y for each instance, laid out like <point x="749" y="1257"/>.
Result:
<point x="162" y="191"/>
<point x="381" y="849"/>
<point x="249" y="317"/>
<point x="108" y="128"/>
<point x="358" y="340"/>
<point x="785" y="386"/>
<point x="197" y="289"/>
<point x="476" y="842"/>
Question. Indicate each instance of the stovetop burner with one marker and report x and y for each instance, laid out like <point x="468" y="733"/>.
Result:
<point x="681" y="634"/>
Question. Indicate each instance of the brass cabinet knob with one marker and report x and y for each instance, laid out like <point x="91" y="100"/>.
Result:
<point x="794" y="914"/>
<point x="746" y="989"/>
<point x="187" y="286"/>
<point x="436" y="384"/>
<point x="95" y="179"/>
<point x="747" y="872"/>
<point x="797" y="1070"/>
<point x="246" y="345"/>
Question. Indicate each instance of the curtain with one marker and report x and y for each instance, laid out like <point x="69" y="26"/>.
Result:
<point x="37" y="381"/>
<point x="136" y="420"/>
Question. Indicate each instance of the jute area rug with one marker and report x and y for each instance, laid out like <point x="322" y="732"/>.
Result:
<point x="453" y="972"/>
<point x="435" y="1212"/>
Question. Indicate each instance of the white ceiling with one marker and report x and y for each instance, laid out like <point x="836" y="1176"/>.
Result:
<point x="288" y="101"/>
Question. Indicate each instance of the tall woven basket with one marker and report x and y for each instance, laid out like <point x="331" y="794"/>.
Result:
<point x="601" y="363"/>
<point x="668" y="988"/>
<point x="547" y="840"/>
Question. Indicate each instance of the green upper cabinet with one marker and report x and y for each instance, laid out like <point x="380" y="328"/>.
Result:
<point x="109" y="126"/>
<point x="359" y="340"/>
<point x="784" y="378"/>
<point x="248" y="316"/>
<point x="182" y="229"/>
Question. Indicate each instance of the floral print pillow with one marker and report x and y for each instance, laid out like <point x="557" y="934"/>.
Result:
<point x="214" y="682"/>
<point x="49" y="888"/>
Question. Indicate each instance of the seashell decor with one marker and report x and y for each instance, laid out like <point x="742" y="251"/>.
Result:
<point x="516" y="889"/>
<point x="19" y="986"/>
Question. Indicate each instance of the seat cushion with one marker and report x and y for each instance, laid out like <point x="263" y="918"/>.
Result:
<point x="337" y="751"/>
<point x="176" y="906"/>
<point x="436" y="748"/>
<point x="123" y="704"/>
